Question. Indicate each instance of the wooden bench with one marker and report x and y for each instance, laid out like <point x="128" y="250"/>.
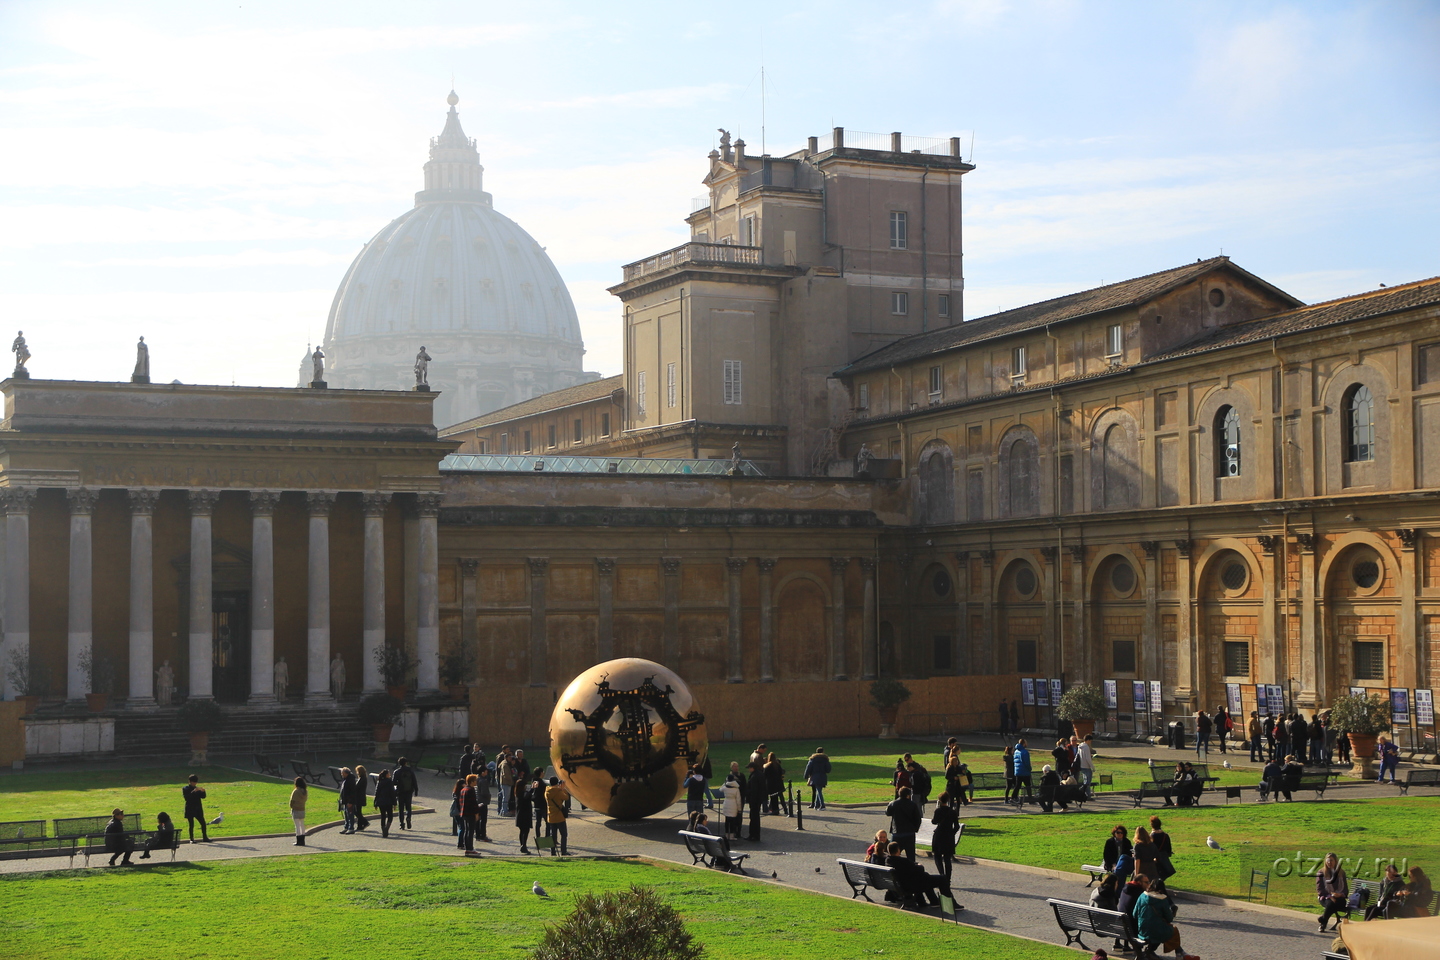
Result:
<point x="1076" y="919"/>
<point x="713" y="851"/>
<point x="863" y="877"/>
<point x="302" y="769"/>
<point x="89" y="832"/>
<point x="1420" y="778"/>
<point x="268" y="766"/>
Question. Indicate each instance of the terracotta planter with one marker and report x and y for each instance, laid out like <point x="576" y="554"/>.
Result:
<point x="888" y="716"/>
<point x="1083" y="728"/>
<point x="381" y="733"/>
<point x="199" y="746"/>
<point x="397" y="692"/>
<point x="96" y="701"/>
<point x="1362" y="754"/>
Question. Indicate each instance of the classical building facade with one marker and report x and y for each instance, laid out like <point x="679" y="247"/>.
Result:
<point x="463" y="281"/>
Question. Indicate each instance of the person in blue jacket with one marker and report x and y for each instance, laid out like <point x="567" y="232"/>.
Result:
<point x="1022" y="769"/>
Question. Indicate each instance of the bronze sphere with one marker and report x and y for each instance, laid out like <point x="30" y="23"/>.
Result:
<point x="623" y="736"/>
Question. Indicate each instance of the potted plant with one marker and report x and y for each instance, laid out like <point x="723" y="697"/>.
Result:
<point x="456" y="673"/>
<point x="379" y="711"/>
<point x="394" y="664"/>
<point x="200" y="718"/>
<point x="28" y="679"/>
<point x="886" y="695"/>
<point x="99" y="673"/>
<point x="1082" y="705"/>
<point x="1362" y="719"/>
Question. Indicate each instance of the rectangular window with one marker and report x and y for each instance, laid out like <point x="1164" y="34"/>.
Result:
<point x="1369" y="660"/>
<point x="731" y="378"/>
<point x="899" y="303"/>
<point x="748" y="235"/>
<point x="1017" y="363"/>
<point x="604" y="424"/>
<point x="579" y="431"/>
<point x="944" y="308"/>
<point x="937" y="383"/>
<point x="504" y="444"/>
<point x="550" y="435"/>
<point x="484" y="448"/>
<point x="942" y="651"/>
<point x="1114" y="343"/>
<point x="640" y="394"/>
<point x="1237" y="658"/>
<point x="669" y="384"/>
<point x="1026" y="658"/>
<point x="1122" y="656"/>
<point x="899" y="230"/>
<point x="862" y="397"/>
<point x="527" y="441"/>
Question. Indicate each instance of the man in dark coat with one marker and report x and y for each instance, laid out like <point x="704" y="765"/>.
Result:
<point x="756" y="794"/>
<point x="467" y="762"/>
<point x="405" y="789"/>
<point x="117" y="841"/>
<point x="1004" y="716"/>
<point x="905" y="816"/>
<point x="194" y="795"/>
<point x="1299" y="738"/>
<point x="920" y="785"/>
<point x="1014" y="717"/>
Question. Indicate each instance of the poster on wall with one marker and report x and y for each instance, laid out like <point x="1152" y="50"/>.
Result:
<point x="1232" y="698"/>
<point x="1138" y="696"/>
<point x="1042" y="692"/>
<point x="1358" y="692"/>
<point x="1027" y="691"/>
<point x="1277" y="697"/>
<point x="1400" y="706"/>
<point x="1425" y="708"/>
<point x="1262" y="699"/>
<point x="1155" y="705"/>
<point x="1055" y="691"/>
<point x="1112" y="695"/>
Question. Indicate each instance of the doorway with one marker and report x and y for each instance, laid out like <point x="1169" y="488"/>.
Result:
<point x="231" y="645"/>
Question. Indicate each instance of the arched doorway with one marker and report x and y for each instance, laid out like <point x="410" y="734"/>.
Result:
<point x="1230" y="593"/>
<point x="1361" y="607"/>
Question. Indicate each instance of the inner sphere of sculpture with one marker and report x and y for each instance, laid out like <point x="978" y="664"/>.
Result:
<point x="623" y="736"/>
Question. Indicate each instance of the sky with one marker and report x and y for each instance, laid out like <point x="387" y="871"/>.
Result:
<point x="203" y="174"/>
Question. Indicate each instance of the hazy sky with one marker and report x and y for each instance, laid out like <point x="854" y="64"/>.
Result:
<point x="203" y="173"/>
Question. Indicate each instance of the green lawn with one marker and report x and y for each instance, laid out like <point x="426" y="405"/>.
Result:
<point x="251" y="803"/>
<point x="1253" y="836"/>
<point x="358" y="904"/>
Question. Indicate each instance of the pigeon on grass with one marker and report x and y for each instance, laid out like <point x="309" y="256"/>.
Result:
<point x="538" y="890"/>
<point x="219" y="819"/>
<point x="1210" y="842"/>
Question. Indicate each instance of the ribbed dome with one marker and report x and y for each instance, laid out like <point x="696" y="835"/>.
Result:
<point x="467" y="283"/>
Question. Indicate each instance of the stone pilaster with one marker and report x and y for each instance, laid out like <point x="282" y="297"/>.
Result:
<point x="142" y="599"/>
<point x="318" y="504"/>
<point x="80" y="632"/>
<point x="262" y="595"/>
<point x="427" y="632"/>
<point x="18" y="501"/>
<point x="766" y="566"/>
<point x="671" y="568"/>
<point x="735" y="568"/>
<point x="869" y="664"/>
<point x="202" y="619"/>
<point x="469" y="610"/>
<point x="605" y="596"/>
<point x="837" y="617"/>
<point x="373" y="622"/>
<point x="539" y="642"/>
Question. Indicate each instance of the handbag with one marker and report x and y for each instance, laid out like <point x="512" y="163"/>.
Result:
<point x="1358" y="898"/>
<point x="1164" y="866"/>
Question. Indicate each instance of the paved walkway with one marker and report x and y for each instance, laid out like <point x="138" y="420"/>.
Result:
<point x="998" y="897"/>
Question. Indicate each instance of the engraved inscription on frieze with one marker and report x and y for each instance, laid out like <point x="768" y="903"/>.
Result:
<point x="272" y="476"/>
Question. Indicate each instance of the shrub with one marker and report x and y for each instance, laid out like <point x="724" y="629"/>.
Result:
<point x="394" y="664"/>
<point x="888" y="693"/>
<point x="28" y="677"/>
<point x="632" y="924"/>
<point x="200" y="716"/>
<point x="380" y="708"/>
<point x="1084" y="701"/>
<point x="1365" y="715"/>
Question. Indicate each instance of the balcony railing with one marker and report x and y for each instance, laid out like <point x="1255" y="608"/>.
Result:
<point x="694" y="252"/>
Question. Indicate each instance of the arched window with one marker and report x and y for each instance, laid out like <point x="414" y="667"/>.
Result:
<point x="1020" y="473"/>
<point x="936" y="486"/>
<point x="1227" y="442"/>
<point x="1359" y="424"/>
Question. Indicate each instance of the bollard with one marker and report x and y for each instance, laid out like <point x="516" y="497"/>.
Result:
<point x="790" y="798"/>
<point x="799" y="816"/>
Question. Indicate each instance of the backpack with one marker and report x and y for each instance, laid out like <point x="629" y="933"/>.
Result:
<point x="920" y="782"/>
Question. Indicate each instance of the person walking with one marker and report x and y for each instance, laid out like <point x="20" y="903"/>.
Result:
<point x="952" y="752"/>
<point x="1331" y="889"/>
<point x="469" y="813"/>
<point x="756" y="793"/>
<point x="1389" y="755"/>
<point x="1222" y="725"/>
<point x="164" y="836"/>
<point x="1117" y="846"/>
<point x="1007" y="764"/>
<point x="694" y="785"/>
<point x="467" y="760"/>
<point x="1022" y="770"/>
<point x="524" y="816"/>
<point x="707" y="771"/>
<point x="817" y="775"/>
<point x="958" y="780"/>
<point x="457" y="817"/>
<point x="194" y="795"/>
<point x="942" y="844"/>
<point x="403" y="776"/>
<point x="346" y="804"/>
<point x="921" y="784"/>
<point x="556" y="797"/>
<point x="1300" y="738"/>
<point x="899" y="779"/>
<point x="484" y="778"/>
<point x="1145" y="853"/>
<point x="1203" y="726"/>
<point x="360" y="795"/>
<point x="118" y="843"/>
<point x="385" y="802"/>
<point x="1254" y="733"/>
<point x="1085" y="760"/>
<point x="730" y="807"/>
<point x="1317" y="740"/>
<point x="505" y="776"/>
<point x="1272" y="745"/>
<point x="537" y="797"/>
<point x="905" y="821"/>
<point x="298" y="796"/>
<point x="774" y="782"/>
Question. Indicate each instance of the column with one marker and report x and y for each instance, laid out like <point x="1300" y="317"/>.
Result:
<point x="1153" y="663"/>
<point x="869" y="662"/>
<point x="427" y="595"/>
<point x="373" y="625"/>
<point x="605" y="593"/>
<point x="1186" y="634"/>
<point x="202" y="620"/>
<point x="262" y="595"/>
<point x="1313" y="662"/>
<point x="989" y="659"/>
<point x="1407" y="634"/>
<point x="17" y="581"/>
<point x="767" y="620"/>
<point x="539" y="652"/>
<point x="317" y="620"/>
<point x="1049" y="654"/>
<point x="964" y="660"/>
<point x="671" y="568"/>
<point x="1077" y="663"/>
<point x="1271" y="654"/>
<point x="837" y="616"/>
<point x="79" y="661"/>
<point x="469" y="629"/>
<point x="735" y="566"/>
<point x="142" y="598"/>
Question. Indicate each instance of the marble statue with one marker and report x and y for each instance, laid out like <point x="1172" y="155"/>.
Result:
<point x="318" y="360"/>
<point x="164" y="684"/>
<point x="735" y="459"/>
<point x="142" y="363"/>
<point x="724" y="144"/>
<point x="22" y="354"/>
<point x="422" y="368"/>
<point x="282" y="679"/>
<point x="337" y="677"/>
<point x="862" y="461"/>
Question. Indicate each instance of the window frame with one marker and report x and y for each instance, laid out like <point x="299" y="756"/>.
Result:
<point x="936" y="382"/>
<point x="1030" y="664"/>
<point x="528" y="447"/>
<point x="1114" y="342"/>
<point x="1355" y="660"/>
<point x="942" y="306"/>
<point x="1134" y="647"/>
<point x="732" y="382"/>
<point x="899" y="303"/>
<point x="899" y="230"/>
<point x="1227" y="427"/>
<point x="862" y="396"/>
<point x="1019" y="364"/>
<point x="551" y="435"/>
<point x="579" y="431"/>
<point x="749" y="230"/>
<point x="504" y="444"/>
<point x="605" y="424"/>
<point x="1359" y="436"/>
<point x="640" y="387"/>
<point x="1232" y="645"/>
<point x="670" y="379"/>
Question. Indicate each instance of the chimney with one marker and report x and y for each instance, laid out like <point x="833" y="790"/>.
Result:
<point x="895" y="143"/>
<point x="739" y="153"/>
<point x="839" y="137"/>
<point x="812" y="146"/>
<point x="955" y="147"/>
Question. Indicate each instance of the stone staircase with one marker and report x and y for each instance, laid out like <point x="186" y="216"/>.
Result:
<point x="283" y="733"/>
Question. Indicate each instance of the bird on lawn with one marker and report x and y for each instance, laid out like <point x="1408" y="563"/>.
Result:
<point x="538" y="890"/>
<point x="1210" y="842"/>
<point x="219" y="819"/>
<point x="774" y="875"/>
<point x="1227" y="766"/>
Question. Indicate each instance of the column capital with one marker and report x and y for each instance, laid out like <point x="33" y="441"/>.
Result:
<point x="469" y="566"/>
<point x="987" y="557"/>
<point x="1050" y="553"/>
<point x="427" y="504"/>
<point x="539" y="566"/>
<point x="82" y="500"/>
<point x="868" y="565"/>
<point x="1306" y="541"/>
<point x="18" y="499"/>
<point x="736" y="564"/>
<point x="1268" y="544"/>
<point x="671" y="566"/>
<point x="1151" y="548"/>
<point x="1409" y="537"/>
<point x="319" y="502"/>
<point x="1077" y="552"/>
<point x="838" y="564"/>
<point x="605" y="565"/>
<point x="202" y="502"/>
<point x="142" y="501"/>
<point x="766" y="564"/>
<point x="262" y="502"/>
<point x="375" y="503"/>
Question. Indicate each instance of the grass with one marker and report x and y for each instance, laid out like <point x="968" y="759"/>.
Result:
<point x="251" y="803"/>
<point x="1253" y="836"/>
<point x="356" y="904"/>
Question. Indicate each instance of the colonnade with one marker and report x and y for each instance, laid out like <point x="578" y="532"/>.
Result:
<point x="18" y="501"/>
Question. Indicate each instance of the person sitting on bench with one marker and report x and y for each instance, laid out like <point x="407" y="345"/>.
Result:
<point x="1270" y="781"/>
<point x="914" y="880"/>
<point x="164" y="836"/>
<point x="1187" y="786"/>
<point x="117" y="841"/>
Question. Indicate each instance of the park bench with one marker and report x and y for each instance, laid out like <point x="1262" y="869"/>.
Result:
<point x="1202" y="771"/>
<point x="336" y="775"/>
<point x="1372" y="894"/>
<point x="1097" y="872"/>
<point x="986" y="781"/>
<point x="267" y="766"/>
<point x="1153" y="788"/>
<point x="863" y="877"/>
<point x="1313" y="781"/>
<point x="452" y="768"/>
<point x="713" y="851"/>
<point x="302" y="769"/>
<point x="89" y="832"/>
<point x="1420" y="778"/>
<point x="23" y="839"/>
<point x="1076" y="919"/>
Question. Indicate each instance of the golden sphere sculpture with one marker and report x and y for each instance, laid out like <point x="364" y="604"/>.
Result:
<point x="624" y="735"/>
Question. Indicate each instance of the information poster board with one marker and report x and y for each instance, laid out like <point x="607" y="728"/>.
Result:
<point x="1156" y="706"/>
<point x="1042" y="692"/>
<point x="1277" y="698"/>
<point x="1112" y="695"/>
<point x="1400" y="706"/>
<point x="1232" y="699"/>
<point x="1262" y="698"/>
<point x="1027" y="692"/>
<point x="1138" y="696"/>
<point x="1055" y="691"/>
<point x="1358" y="692"/>
<point x="1425" y="708"/>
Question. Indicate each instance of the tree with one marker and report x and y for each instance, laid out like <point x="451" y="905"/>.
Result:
<point x="632" y="924"/>
<point x="1083" y="701"/>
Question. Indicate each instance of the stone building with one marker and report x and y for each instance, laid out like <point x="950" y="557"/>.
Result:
<point x="464" y="281"/>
